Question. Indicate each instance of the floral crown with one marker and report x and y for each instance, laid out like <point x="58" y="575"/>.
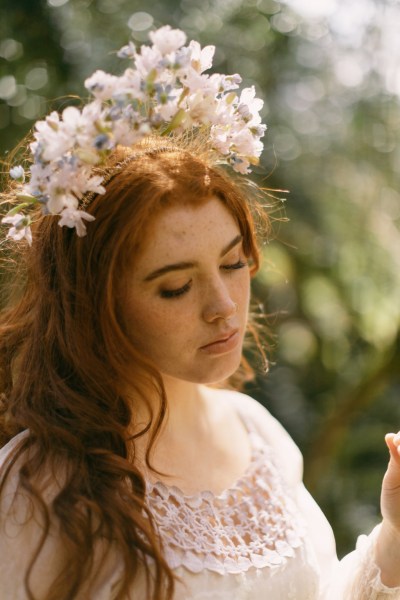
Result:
<point x="165" y="90"/>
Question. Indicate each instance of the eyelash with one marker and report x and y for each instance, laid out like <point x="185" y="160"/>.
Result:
<point x="185" y="288"/>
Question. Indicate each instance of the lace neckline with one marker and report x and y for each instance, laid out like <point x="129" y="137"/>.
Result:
<point x="164" y="489"/>
<point x="253" y="523"/>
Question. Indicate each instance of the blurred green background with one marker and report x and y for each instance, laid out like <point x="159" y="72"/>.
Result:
<point x="329" y="72"/>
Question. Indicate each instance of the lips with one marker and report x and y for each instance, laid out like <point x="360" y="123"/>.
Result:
<point x="224" y="343"/>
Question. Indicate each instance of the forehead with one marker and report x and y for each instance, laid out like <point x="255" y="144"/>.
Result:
<point x="185" y="230"/>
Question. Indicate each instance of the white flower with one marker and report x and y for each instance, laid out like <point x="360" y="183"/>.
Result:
<point x="250" y="106"/>
<point x="73" y="122"/>
<point x="130" y="130"/>
<point x="225" y="83"/>
<point x="51" y="121"/>
<point x="244" y="143"/>
<point x="167" y="40"/>
<point x="194" y="81"/>
<point x="93" y="119"/>
<point x="94" y="185"/>
<point x="130" y="84"/>
<point x="200" y="109"/>
<point x="167" y="111"/>
<point x="93" y="112"/>
<point x="52" y="140"/>
<point x="40" y="176"/>
<point x="101" y="85"/>
<point x="76" y="129"/>
<point x="166" y="89"/>
<point x="64" y="176"/>
<point x="58" y="202"/>
<point x="220" y="139"/>
<point x="74" y="218"/>
<point x="201" y="58"/>
<point x="18" y="173"/>
<point x="68" y="183"/>
<point x="182" y="58"/>
<point x="225" y="113"/>
<point x="147" y="61"/>
<point x="20" y="227"/>
<point x="127" y="51"/>
<point x="89" y="156"/>
<point x="240" y="165"/>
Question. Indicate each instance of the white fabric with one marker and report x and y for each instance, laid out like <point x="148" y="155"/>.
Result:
<point x="252" y="525"/>
<point x="264" y="539"/>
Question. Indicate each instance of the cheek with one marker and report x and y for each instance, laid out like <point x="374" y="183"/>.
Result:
<point x="242" y="291"/>
<point x="154" y="328"/>
<point x="143" y="324"/>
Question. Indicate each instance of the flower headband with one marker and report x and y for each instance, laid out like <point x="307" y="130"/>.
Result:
<point x="164" y="90"/>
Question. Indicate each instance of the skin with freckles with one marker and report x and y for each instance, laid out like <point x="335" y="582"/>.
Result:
<point x="187" y="300"/>
<point x="186" y="309"/>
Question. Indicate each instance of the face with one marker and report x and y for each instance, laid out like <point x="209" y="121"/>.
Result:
<point x="188" y="294"/>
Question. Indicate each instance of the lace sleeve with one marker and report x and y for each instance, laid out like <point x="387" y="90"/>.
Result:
<point x="360" y="574"/>
<point x="356" y="576"/>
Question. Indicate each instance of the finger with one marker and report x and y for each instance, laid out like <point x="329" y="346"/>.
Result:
<point x="393" y="443"/>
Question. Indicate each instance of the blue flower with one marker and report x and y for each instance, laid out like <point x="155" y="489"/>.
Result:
<point x="101" y="141"/>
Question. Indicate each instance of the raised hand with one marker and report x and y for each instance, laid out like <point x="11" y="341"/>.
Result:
<point x="390" y="497"/>
<point x="387" y="548"/>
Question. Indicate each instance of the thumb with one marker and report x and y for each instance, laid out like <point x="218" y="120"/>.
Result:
<point x="392" y="477"/>
<point x="390" y="495"/>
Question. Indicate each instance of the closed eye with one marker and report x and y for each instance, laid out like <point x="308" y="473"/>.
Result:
<point x="178" y="292"/>
<point x="238" y="265"/>
<point x="185" y="288"/>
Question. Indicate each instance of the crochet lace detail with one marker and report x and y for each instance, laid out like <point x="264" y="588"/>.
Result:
<point x="369" y="576"/>
<point x="252" y="524"/>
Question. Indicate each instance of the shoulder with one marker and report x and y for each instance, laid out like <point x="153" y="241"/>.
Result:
<point x="32" y="541"/>
<point x="7" y="450"/>
<point x="18" y="501"/>
<point x="6" y="454"/>
<point x="21" y="527"/>
<point x="14" y="503"/>
<point x="268" y="427"/>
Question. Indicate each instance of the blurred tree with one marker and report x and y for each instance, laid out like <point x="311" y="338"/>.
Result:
<point x="32" y="67"/>
<point x="330" y="79"/>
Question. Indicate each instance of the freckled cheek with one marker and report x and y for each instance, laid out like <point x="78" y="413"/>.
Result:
<point x="154" y="329"/>
<point x="243" y="298"/>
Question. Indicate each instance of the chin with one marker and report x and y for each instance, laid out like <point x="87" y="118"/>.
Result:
<point x="217" y="373"/>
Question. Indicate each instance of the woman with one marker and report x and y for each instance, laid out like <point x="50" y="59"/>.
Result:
<point x="119" y="478"/>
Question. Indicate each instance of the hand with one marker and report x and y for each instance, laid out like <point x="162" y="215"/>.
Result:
<point x="390" y="497"/>
<point x="387" y="547"/>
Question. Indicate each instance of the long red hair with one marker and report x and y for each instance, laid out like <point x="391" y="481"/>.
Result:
<point x="66" y="361"/>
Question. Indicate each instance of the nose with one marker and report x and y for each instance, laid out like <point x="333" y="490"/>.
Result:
<point x="219" y="304"/>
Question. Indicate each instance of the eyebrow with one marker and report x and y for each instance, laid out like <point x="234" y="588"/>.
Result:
<point x="181" y="266"/>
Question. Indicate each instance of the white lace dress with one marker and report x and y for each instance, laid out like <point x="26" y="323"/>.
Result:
<point x="263" y="539"/>
<point x="247" y="543"/>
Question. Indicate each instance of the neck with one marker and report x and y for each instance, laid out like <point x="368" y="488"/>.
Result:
<point x="188" y="420"/>
<point x="187" y="409"/>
